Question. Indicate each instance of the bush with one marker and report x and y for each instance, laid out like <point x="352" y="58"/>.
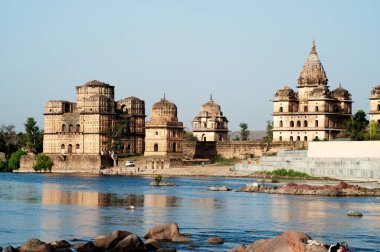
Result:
<point x="4" y="166"/>
<point x="224" y="161"/>
<point x="288" y="173"/>
<point x="43" y="162"/>
<point x="14" y="160"/>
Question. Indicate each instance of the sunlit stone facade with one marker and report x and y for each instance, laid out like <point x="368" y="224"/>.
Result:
<point x="374" y="105"/>
<point x="164" y="133"/>
<point x="314" y="112"/>
<point x="210" y="124"/>
<point x="79" y="128"/>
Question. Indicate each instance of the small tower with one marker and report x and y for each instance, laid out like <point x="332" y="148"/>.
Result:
<point x="210" y="124"/>
<point x="374" y="105"/>
<point x="164" y="133"/>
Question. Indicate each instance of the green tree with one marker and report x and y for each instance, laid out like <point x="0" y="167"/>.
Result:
<point x="43" y="162"/>
<point x="266" y="142"/>
<point x="33" y="136"/>
<point x="244" y="132"/>
<point x="188" y="136"/>
<point x="356" y="127"/>
<point x="8" y="139"/>
<point x="374" y="131"/>
<point x="113" y="135"/>
<point x="4" y="166"/>
<point x="14" y="160"/>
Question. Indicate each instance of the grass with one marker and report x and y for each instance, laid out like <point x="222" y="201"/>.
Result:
<point x="284" y="173"/>
<point x="223" y="161"/>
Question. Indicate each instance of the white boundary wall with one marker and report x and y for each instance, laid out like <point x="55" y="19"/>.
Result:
<point x="344" y="149"/>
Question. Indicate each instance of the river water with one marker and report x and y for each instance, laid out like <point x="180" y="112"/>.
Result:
<point x="52" y="207"/>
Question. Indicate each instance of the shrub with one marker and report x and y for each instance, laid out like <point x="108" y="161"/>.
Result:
<point x="14" y="160"/>
<point x="3" y="166"/>
<point x="43" y="162"/>
<point x="158" y="179"/>
<point x="224" y="161"/>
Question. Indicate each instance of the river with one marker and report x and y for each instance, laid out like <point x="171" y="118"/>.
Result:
<point x="53" y="207"/>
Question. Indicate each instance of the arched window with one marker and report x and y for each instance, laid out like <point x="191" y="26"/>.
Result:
<point x="212" y="125"/>
<point x="70" y="149"/>
<point x="155" y="147"/>
<point x="378" y="107"/>
<point x="281" y="124"/>
<point x="220" y="138"/>
<point x="305" y="123"/>
<point x="298" y="138"/>
<point x="71" y="128"/>
<point x="281" y="109"/>
<point x="291" y="124"/>
<point x="156" y="133"/>
<point x="305" y="138"/>
<point x="305" y="109"/>
<point x="77" y="147"/>
<point x="195" y="125"/>
<point x="77" y="128"/>
<point x="316" y="108"/>
<point x="298" y="123"/>
<point x="316" y="123"/>
<point x="204" y="125"/>
<point x="174" y="147"/>
<point x="63" y="128"/>
<point x="62" y="146"/>
<point x="280" y="139"/>
<point x="291" y="138"/>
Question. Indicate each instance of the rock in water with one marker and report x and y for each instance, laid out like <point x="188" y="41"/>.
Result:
<point x="31" y="245"/>
<point x="354" y="214"/>
<point x="152" y="244"/>
<point x="215" y="240"/>
<point x="86" y="247"/>
<point x="131" y="243"/>
<point x="240" y="248"/>
<point x="60" y="244"/>
<point x="163" y="232"/>
<point x="108" y="241"/>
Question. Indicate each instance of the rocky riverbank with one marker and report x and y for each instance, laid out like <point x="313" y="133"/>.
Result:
<point x="340" y="189"/>
<point x="124" y="241"/>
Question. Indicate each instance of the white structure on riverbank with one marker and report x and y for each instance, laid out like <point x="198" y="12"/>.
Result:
<point x="340" y="160"/>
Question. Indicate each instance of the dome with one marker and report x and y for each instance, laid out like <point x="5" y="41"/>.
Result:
<point x="321" y="91"/>
<point x="211" y="108"/>
<point x="375" y="93"/>
<point x="95" y="83"/>
<point x="312" y="72"/>
<point x="341" y="94"/>
<point x="285" y="93"/>
<point x="164" y="111"/>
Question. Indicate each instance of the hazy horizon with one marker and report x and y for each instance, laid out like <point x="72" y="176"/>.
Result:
<point x="241" y="52"/>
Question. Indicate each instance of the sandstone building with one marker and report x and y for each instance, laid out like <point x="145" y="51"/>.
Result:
<point x="374" y="105"/>
<point x="210" y="124"/>
<point x="81" y="128"/>
<point x="314" y="112"/>
<point x="164" y="133"/>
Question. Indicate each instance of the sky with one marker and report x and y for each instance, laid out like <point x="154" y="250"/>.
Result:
<point x="239" y="51"/>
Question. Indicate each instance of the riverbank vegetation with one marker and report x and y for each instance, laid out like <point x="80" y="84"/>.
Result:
<point x="219" y="160"/>
<point x="283" y="173"/>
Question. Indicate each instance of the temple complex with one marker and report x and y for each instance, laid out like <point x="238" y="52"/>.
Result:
<point x="314" y="112"/>
<point x="374" y="105"/>
<point x="210" y="124"/>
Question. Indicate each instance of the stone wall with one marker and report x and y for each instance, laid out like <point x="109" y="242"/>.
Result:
<point x="69" y="163"/>
<point x="237" y="149"/>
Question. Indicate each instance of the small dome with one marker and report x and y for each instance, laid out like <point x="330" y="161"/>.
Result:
<point x="285" y="93"/>
<point x="164" y="111"/>
<point x="321" y="91"/>
<point x="341" y="94"/>
<point x="375" y="93"/>
<point x="211" y="108"/>
<point x="95" y="83"/>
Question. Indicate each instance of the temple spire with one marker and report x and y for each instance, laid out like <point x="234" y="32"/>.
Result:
<point x="313" y="49"/>
<point x="210" y="97"/>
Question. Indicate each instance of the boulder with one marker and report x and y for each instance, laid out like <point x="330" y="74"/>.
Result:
<point x="45" y="248"/>
<point x="131" y="243"/>
<point x="152" y="244"/>
<point x="239" y="248"/>
<point x="31" y="245"/>
<point x="179" y="239"/>
<point x="86" y="247"/>
<point x="9" y="248"/>
<point x="215" y="240"/>
<point x="219" y="188"/>
<point x="163" y="232"/>
<point x="108" y="241"/>
<point x="60" y="244"/>
<point x="354" y="214"/>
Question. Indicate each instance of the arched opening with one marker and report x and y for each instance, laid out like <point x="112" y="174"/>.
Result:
<point x="298" y="123"/>
<point x="280" y="139"/>
<point x="291" y="124"/>
<point x="305" y="138"/>
<point x="77" y="147"/>
<point x="156" y="133"/>
<point x="155" y="147"/>
<point x="203" y="138"/>
<point x="173" y="133"/>
<point x="305" y="123"/>
<point x="174" y="147"/>
<point x="62" y="146"/>
<point x="316" y="123"/>
<point x="63" y="128"/>
<point x="70" y="149"/>
<point x="281" y="109"/>
<point x="305" y="109"/>
<point x="316" y="108"/>
<point x="281" y="124"/>
<point x="378" y="107"/>
<point x="298" y="138"/>
<point x="71" y="128"/>
<point x="204" y="125"/>
<point x="128" y="148"/>
<point x="77" y="128"/>
<point x="220" y="138"/>
<point x="212" y="125"/>
<point x="291" y="138"/>
<point x="195" y="125"/>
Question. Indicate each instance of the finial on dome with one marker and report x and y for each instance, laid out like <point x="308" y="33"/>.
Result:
<point x="164" y="97"/>
<point x="210" y="97"/>
<point x="340" y="85"/>
<point x="313" y="50"/>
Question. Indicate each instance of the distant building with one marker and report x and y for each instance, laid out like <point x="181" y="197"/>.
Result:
<point x="314" y="112"/>
<point x="81" y="128"/>
<point x="164" y="133"/>
<point x="210" y="124"/>
<point x="374" y="105"/>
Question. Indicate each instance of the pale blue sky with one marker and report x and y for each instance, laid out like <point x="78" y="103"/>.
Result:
<point x="240" y="51"/>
